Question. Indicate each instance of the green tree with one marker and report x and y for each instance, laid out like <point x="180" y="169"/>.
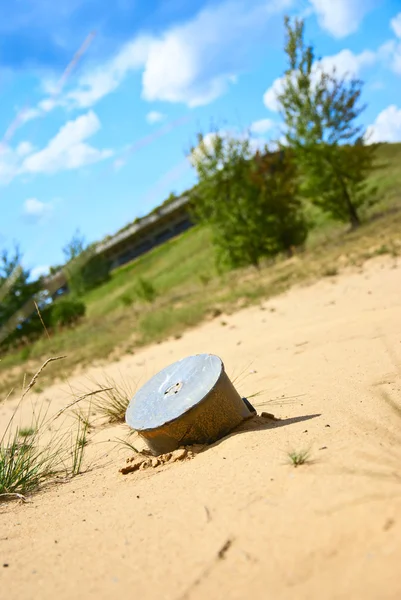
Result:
<point x="16" y="295"/>
<point x="75" y="247"/>
<point x="275" y="176"/>
<point x="321" y="111"/>
<point x="84" y="268"/>
<point x="74" y="254"/>
<point x="95" y="271"/>
<point x="171" y="197"/>
<point x="15" y="288"/>
<point x="250" y="202"/>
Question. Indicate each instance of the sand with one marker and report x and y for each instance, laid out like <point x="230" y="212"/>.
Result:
<point x="238" y="520"/>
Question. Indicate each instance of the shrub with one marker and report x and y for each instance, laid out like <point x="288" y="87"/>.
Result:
<point x="126" y="299"/>
<point x="67" y="311"/>
<point x="145" y="290"/>
<point x="95" y="271"/>
<point x="25" y="353"/>
<point x="204" y="279"/>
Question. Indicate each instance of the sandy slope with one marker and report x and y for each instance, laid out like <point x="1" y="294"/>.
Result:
<point x="238" y="521"/>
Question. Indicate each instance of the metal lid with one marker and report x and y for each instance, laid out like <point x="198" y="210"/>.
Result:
<point x="173" y="391"/>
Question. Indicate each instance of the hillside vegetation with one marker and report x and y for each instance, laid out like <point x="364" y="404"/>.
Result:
<point x="177" y="285"/>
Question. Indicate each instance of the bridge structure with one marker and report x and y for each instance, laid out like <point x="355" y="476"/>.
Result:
<point x="163" y="224"/>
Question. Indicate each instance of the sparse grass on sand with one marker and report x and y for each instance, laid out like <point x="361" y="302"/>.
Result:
<point x="126" y="443"/>
<point x="298" y="458"/>
<point x="24" y="465"/>
<point x="38" y="453"/>
<point x="190" y="289"/>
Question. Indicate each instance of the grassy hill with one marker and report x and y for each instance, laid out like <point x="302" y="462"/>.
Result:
<point x="190" y="289"/>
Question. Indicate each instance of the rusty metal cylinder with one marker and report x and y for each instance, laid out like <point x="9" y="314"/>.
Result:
<point x="189" y="402"/>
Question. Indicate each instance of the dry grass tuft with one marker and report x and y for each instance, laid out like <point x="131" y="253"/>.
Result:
<point x="113" y="401"/>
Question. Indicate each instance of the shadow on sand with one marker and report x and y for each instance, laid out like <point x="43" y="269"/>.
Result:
<point x="259" y="423"/>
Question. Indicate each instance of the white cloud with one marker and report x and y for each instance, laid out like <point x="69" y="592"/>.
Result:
<point x="377" y="85"/>
<point x="24" y="148"/>
<point x="93" y="85"/>
<point x="396" y="63"/>
<point x="47" y="105"/>
<point x="209" y="142"/>
<point x="68" y="149"/>
<point x="270" y="95"/>
<point x="390" y="51"/>
<point x="259" y="144"/>
<point x="105" y="79"/>
<point x="51" y="86"/>
<point x="345" y="62"/>
<point x="36" y="211"/>
<point x="39" y="272"/>
<point x="207" y="145"/>
<point x="29" y="114"/>
<point x="341" y="17"/>
<point x="262" y="126"/>
<point x="387" y="126"/>
<point x="192" y="63"/>
<point x="119" y="163"/>
<point x="9" y="164"/>
<point x="396" y="25"/>
<point x="154" y="117"/>
<point x="196" y="62"/>
<point x="348" y="63"/>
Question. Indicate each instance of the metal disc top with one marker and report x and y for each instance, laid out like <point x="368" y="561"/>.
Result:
<point x="173" y="391"/>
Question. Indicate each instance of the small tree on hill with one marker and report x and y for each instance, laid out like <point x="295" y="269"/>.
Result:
<point x="15" y="293"/>
<point x="223" y="198"/>
<point x="250" y="203"/>
<point x="275" y="176"/>
<point x="321" y="111"/>
<point x="15" y="288"/>
<point x="84" y="268"/>
<point x="75" y="247"/>
<point x="74" y="254"/>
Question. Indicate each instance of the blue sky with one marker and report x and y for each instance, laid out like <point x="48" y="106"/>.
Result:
<point x="94" y="141"/>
